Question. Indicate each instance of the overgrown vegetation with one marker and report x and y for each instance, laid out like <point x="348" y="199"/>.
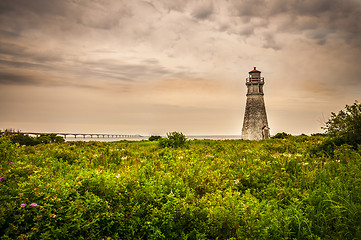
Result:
<point x="345" y="126"/>
<point x="288" y="187"/>
<point x="16" y="136"/>
<point x="282" y="135"/>
<point x="173" y="140"/>
<point x="154" y="138"/>
<point x="27" y="140"/>
<point x="233" y="189"/>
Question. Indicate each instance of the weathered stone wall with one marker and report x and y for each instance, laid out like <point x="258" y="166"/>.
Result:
<point x="255" y="118"/>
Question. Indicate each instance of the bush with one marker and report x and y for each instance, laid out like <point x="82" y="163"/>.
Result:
<point x="50" y="138"/>
<point x="27" y="140"/>
<point x="154" y="138"/>
<point x="173" y="140"/>
<point x="346" y="124"/>
<point x="326" y="146"/>
<point x="23" y="139"/>
<point x="213" y="189"/>
<point x="281" y="135"/>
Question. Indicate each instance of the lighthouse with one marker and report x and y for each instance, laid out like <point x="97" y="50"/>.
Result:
<point x="255" y="124"/>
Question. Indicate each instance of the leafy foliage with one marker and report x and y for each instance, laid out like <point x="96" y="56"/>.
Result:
<point x="233" y="189"/>
<point x="173" y="140"/>
<point x="281" y="135"/>
<point x="346" y="125"/>
<point x="154" y="138"/>
<point x="23" y="139"/>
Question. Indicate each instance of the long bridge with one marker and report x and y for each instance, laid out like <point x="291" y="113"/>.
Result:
<point x="84" y="135"/>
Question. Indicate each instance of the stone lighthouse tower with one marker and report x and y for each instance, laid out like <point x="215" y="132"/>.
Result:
<point x="255" y="125"/>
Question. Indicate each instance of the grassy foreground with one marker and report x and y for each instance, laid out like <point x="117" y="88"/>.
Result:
<point x="272" y="189"/>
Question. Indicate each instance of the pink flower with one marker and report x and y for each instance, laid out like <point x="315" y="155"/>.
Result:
<point x="22" y="205"/>
<point x="2" y="178"/>
<point x="34" y="204"/>
<point x="11" y="162"/>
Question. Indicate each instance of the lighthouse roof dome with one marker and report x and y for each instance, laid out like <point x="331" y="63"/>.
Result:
<point x="255" y="70"/>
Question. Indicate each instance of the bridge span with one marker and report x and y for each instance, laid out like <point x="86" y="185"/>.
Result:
<point x="84" y="135"/>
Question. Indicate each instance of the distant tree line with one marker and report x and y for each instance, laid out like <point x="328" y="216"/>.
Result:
<point x="23" y="139"/>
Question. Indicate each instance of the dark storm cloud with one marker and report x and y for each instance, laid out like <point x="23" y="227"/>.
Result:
<point x="269" y="42"/>
<point x="20" y="50"/>
<point x="24" y="22"/>
<point x="100" y="15"/>
<point x="8" y="78"/>
<point x="319" y="19"/>
<point x="8" y="34"/>
<point x="11" y="49"/>
<point x="22" y="65"/>
<point x="39" y="7"/>
<point x="247" y="8"/>
<point x="27" y="78"/>
<point x="203" y="10"/>
<point x="62" y="16"/>
<point x="146" y="70"/>
<point x="106" y="70"/>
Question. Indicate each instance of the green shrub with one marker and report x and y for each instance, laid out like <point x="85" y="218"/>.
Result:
<point x="154" y="138"/>
<point x="234" y="189"/>
<point x="173" y="140"/>
<point x="346" y="125"/>
<point x="27" y="140"/>
<point x="50" y="138"/>
<point x="326" y="146"/>
<point x="23" y="139"/>
<point x="7" y="150"/>
<point x="281" y="135"/>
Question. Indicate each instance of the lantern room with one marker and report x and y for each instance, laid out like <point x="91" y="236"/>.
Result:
<point x="255" y="82"/>
<point x="254" y="75"/>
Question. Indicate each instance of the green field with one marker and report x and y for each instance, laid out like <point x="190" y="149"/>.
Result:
<point x="295" y="188"/>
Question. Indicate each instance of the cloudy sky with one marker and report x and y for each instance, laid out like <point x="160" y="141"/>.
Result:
<point x="154" y="66"/>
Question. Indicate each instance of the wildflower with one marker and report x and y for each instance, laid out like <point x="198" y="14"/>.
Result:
<point x="11" y="162"/>
<point x="2" y="179"/>
<point x="34" y="204"/>
<point x="22" y="205"/>
<point x="117" y="176"/>
<point x="31" y="175"/>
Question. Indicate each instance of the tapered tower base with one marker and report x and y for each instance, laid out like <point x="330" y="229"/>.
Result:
<point x="255" y="125"/>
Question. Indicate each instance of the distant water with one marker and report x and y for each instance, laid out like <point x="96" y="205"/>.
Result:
<point x="101" y="139"/>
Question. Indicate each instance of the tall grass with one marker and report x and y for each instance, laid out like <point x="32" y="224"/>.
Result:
<point x="231" y="189"/>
